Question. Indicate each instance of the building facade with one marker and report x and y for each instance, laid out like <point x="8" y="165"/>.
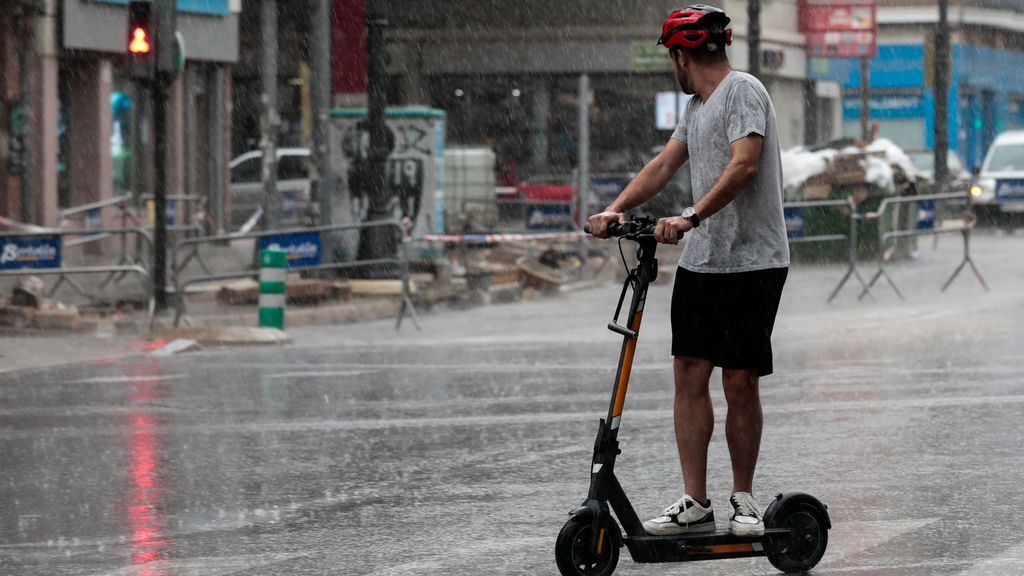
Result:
<point x="507" y="74"/>
<point x="76" y="130"/>
<point x="986" y="94"/>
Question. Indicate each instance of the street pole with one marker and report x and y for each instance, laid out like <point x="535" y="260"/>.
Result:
<point x="164" y="27"/>
<point x="584" y="161"/>
<point x="865" y="99"/>
<point x="320" y="79"/>
<point x="268" y="119"/>
<point x="377" y="242"/>
<point x="754" y="37"/>
<point x="942" y="80"/>
<point x="160" y="194"/>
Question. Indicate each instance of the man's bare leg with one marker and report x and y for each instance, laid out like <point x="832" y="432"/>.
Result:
<point x="694" y="422"/>
<point x="743" y="424"/>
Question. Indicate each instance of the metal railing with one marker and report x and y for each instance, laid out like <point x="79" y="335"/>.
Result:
<point x="964" y="226"/>
<point x="513" y="215"/>
<point x="64" y="273"/>
<point x="191" y="244"/>
<point x="850" y="208"/>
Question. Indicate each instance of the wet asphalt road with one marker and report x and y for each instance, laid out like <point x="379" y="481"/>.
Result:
<point x="459" y="449"/>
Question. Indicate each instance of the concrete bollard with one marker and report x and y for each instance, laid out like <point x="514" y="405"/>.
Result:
<point x="273" y="280"/>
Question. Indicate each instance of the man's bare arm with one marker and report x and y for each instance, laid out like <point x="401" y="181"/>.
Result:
<point x="742" y="167"/>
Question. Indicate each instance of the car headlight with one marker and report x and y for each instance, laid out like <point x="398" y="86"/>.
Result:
<point x="977" y="191"/>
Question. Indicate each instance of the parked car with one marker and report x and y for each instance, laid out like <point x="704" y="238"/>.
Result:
<point x="1000" y="182"/>
<point x="293" y="187"/>
<point x="924" y="162"/>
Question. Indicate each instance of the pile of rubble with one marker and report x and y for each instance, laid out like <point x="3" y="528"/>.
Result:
<point x="28" y="307"/>
<point x="846" y="168"/>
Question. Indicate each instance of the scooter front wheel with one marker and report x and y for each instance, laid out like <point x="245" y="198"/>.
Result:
<point x="574" y="549"/>
<point x="803" y="548"/>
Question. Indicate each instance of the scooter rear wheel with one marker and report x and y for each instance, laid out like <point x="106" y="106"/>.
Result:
<point x="804" y="548"/>
<point x="574" y="552"/>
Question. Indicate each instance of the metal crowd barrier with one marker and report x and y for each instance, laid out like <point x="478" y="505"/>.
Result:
<point x="515" y="215"/>
<point x="964" y="228"/>
<point x="191" y="244"/>
<point x="41" y="268"/>
<point x="850" y="237"/>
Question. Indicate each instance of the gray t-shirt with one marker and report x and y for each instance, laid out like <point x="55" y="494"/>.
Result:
<point x="750" y="232"/>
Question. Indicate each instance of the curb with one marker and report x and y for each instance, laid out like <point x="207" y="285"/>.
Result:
<point x="225" y="336"/>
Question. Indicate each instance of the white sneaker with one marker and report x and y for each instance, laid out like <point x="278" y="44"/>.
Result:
<point x="684" y="517"/>
<point x="745" y="519"/>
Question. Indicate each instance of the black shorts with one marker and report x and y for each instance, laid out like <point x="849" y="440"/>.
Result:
<point x="727" y="318"/>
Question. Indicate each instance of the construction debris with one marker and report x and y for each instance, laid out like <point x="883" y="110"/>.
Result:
<point x="299" y="291"/>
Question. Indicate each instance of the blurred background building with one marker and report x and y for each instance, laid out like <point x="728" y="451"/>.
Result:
<point x="987" y="78"/>
<point x="71" y="126"/>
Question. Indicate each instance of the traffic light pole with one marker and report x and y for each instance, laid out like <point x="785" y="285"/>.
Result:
<point x="164" y="26"/>
<point x="160" y="194"/>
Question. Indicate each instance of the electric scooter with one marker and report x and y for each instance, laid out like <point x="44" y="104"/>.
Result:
<point x="796" y="524"/>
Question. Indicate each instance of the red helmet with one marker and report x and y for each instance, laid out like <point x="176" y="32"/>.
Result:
<point x="696" y="26"/>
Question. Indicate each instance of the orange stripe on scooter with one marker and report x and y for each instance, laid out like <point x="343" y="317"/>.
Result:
<point x="627" y="367"/>
<point x="721" y="549"/>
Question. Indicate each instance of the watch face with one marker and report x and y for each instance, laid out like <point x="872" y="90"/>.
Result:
<point x="689" y="213"/>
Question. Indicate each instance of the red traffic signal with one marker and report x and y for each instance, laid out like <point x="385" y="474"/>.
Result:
<point x="140" y="41"/>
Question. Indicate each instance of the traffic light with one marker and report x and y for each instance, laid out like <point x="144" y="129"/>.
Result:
<point x="141" y="44"/>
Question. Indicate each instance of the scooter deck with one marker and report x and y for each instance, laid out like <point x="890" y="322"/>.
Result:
<point x="705" y="546"/>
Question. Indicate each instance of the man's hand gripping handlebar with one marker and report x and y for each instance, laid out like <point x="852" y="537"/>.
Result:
<point x="631" y="229"/>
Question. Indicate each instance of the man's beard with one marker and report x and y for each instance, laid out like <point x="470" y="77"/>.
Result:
<point x="684" y="86"/>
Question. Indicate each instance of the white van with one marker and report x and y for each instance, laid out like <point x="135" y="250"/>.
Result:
<point x="293" y="186"/>
<point x="1001" y="180"/>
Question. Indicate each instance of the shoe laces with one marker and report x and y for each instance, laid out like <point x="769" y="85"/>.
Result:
<point x="745" y="505"/>
<point x="675" y="508"/>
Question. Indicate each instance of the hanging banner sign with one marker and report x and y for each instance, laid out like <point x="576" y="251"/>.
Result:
<point x="839" y="28"/>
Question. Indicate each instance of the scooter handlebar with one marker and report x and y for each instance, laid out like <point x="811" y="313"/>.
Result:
<point x="636" y="227"/>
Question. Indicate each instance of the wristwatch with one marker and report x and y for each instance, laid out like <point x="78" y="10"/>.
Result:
<point x="691" y="215"/>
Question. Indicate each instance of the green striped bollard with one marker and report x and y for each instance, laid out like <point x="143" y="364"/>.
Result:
<point x="273" y="279"/>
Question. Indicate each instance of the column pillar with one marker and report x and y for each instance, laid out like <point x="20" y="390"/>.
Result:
<point x="44" y="141"/>
<point x="89" y="129"/>
<point x="539" y="126"/>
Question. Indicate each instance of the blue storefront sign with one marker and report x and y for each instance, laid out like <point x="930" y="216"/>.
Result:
<point x="218" y="7"/>
<point x="29" y="252"/>
<point x="303" y="249"/>
<point x="795" y="221"/>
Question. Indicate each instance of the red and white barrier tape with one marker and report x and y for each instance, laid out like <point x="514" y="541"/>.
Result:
<point x="496" y="237"/>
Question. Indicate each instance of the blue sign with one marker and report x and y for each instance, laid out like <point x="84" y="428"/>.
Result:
<point x="24" y="252"/>
<point x="926" y="215"/>
<point x="549" y="217"/>
<point x="218" y="7"/>
<point x="303" y="249"/>
<point x="795" y="221"/>
<point x="607" y="189"/>
<point x="1010" y="189"/>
